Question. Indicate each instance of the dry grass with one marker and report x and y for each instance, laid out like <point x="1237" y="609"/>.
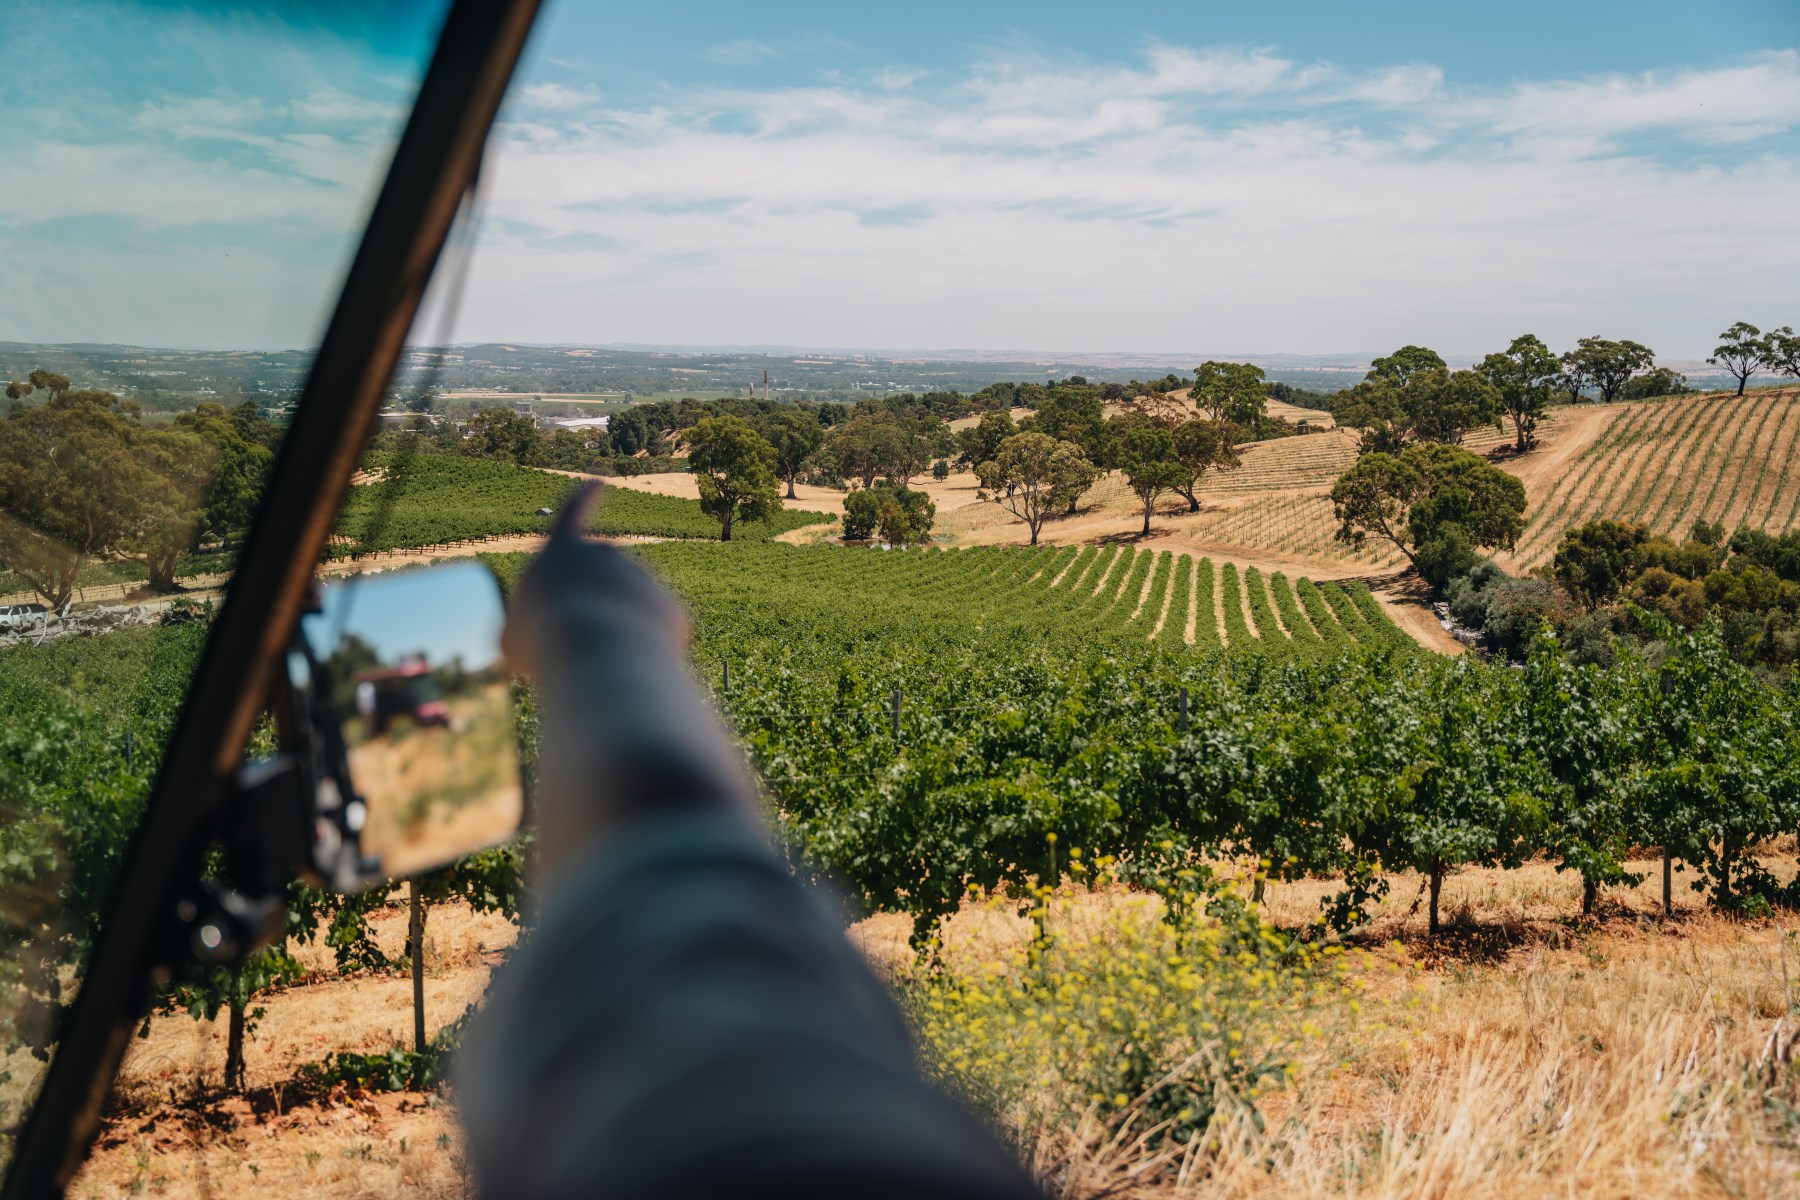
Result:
<point x="170" y="1132"/>
<point x="1522" y="1053"/>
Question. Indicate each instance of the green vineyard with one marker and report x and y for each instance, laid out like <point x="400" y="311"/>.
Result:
<point x="1109" y="592"/>
<point x="446" y="499"/>
<point x="923" y="720"/>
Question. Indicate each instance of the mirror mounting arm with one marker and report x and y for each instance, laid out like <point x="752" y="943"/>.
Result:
<point x="220" y="923"/>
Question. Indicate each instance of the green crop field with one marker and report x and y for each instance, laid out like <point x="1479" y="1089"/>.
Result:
<point x="1108" y="593"/>
<point x="923" y="718"/>
<point x="447" y="499"/>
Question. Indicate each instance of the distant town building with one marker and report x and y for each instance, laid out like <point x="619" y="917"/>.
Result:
<point x="580" y="422"/>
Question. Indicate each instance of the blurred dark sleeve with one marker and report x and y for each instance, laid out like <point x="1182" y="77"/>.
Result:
<point x="687" y="1021"/>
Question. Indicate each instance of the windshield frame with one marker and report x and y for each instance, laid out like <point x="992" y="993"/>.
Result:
<point x="434" y="167"/>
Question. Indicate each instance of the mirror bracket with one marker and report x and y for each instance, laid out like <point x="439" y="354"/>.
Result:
<point x="222" y="926"/>
<point x="267" y="841"/>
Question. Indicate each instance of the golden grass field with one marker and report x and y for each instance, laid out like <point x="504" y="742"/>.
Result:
<point x="1519" y="1054"/>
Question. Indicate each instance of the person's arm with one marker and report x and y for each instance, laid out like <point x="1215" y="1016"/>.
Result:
<point x="685" y="1020"/>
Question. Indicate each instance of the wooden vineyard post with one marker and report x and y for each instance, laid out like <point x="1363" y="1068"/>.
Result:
<point x="415" y="937"/>
<point x="896" y="700"/>
<point x="726" y="686"/>
<point x="1184" y="711"/>
<point x="1668" y="904"/>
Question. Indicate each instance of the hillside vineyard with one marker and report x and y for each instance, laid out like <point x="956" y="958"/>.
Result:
<point x="923" y="721"/>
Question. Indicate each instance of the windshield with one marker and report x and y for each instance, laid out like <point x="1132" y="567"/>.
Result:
<point x="186" y="186"/>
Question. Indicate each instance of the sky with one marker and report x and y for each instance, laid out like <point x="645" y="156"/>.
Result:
<point x="443" y="613"/>
<point x="1298" y="176"/>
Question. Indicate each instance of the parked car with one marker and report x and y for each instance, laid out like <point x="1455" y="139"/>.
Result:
<point x="19" y="618"/>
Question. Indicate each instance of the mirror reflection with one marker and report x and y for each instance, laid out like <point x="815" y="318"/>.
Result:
<point x="425" y="705"/>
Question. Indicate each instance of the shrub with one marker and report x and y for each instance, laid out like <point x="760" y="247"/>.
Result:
<point x="1589" y="640"/>
<point x="1445" y="555"/>
<point x="901" y="516"/>
<point x="1518" y="609"/>
<point x="1468" y="593"/>
<point x="861" y="512"/>
<point x="1126" y="1027"/>
<point x="1659" y="381"/>
<point x="905" y="517"/>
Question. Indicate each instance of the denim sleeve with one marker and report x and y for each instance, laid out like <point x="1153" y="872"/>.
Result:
<point x="686" y="1020"/>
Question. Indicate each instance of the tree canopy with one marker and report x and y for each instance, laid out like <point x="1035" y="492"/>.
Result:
<point x="735" y="470"/>
<point x="1033" y="474"/>
<point x="1781" y="350"/>
<point x="81" y="478"/>
<point x="503" y="434"/>
<point x="981" y="441"/>
<point x="1199" y="446"/>
<point x="1594" y="561"/>
<point x="1232" y="392"/>
<point x="1523" y="375"/>
<point x="1604" y="365"/>
<point x="796" y="436"/>
<point x="1412" y="396"/>
<point x="1147" y="457"/>
<point x="1742" y="350"/>
<point x="1425" y="496"/>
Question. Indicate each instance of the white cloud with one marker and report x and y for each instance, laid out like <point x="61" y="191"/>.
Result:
<point x="1212" y="72"/>
<point x="742" y="51"/>
<point x="1397" y="87"/>
<point x="1198" y="198"/>
<point x="1209" y="199"/>
<point x="1738" y="103"/>
<point x="560" y="97"/>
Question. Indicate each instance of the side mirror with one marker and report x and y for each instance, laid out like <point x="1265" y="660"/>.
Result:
<point x="401" y="716"/>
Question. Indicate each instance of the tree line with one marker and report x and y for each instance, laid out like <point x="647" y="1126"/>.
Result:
<point x="84" y="479"/>
<point x="1614" y="587"/>
<point x="1415" y="487"/>
<point x="1036" y="467"/>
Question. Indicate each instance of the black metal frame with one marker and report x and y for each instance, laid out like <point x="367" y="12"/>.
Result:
<point x="434" y="165"/>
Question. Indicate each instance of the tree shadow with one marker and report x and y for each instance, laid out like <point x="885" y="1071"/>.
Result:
<point x="1132" y="538"/>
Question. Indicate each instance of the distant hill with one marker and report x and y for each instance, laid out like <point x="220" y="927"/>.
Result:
<point x="1667" y="462"/>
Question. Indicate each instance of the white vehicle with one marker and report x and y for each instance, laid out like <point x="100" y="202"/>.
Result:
<point x="18" y="618"/>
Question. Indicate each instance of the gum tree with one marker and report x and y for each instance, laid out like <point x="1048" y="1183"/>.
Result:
<point x="1742" y="350"/>
<point x="796" y="436"/>
<point x="1147" y="457"/>
<point x="1523" y="374"/>
<point x="1604" y="365"/>
<point x="1231" y="392"/>
<point x="1200" y="445"/>
<point x="1033" y="474"/>
<point x="1427" y="492"/>
<point x="735" y="470"/>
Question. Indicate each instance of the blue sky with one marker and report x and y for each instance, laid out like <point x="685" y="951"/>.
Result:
<point x="1481" y="43"/>
<point x="1303" y="177"/>
<point x="442" y="613"/>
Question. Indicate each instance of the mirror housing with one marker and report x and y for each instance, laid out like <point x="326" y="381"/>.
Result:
<point x="398" y="715"/>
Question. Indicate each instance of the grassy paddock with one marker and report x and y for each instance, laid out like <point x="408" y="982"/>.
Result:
<point x="1518" y="1055"/>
